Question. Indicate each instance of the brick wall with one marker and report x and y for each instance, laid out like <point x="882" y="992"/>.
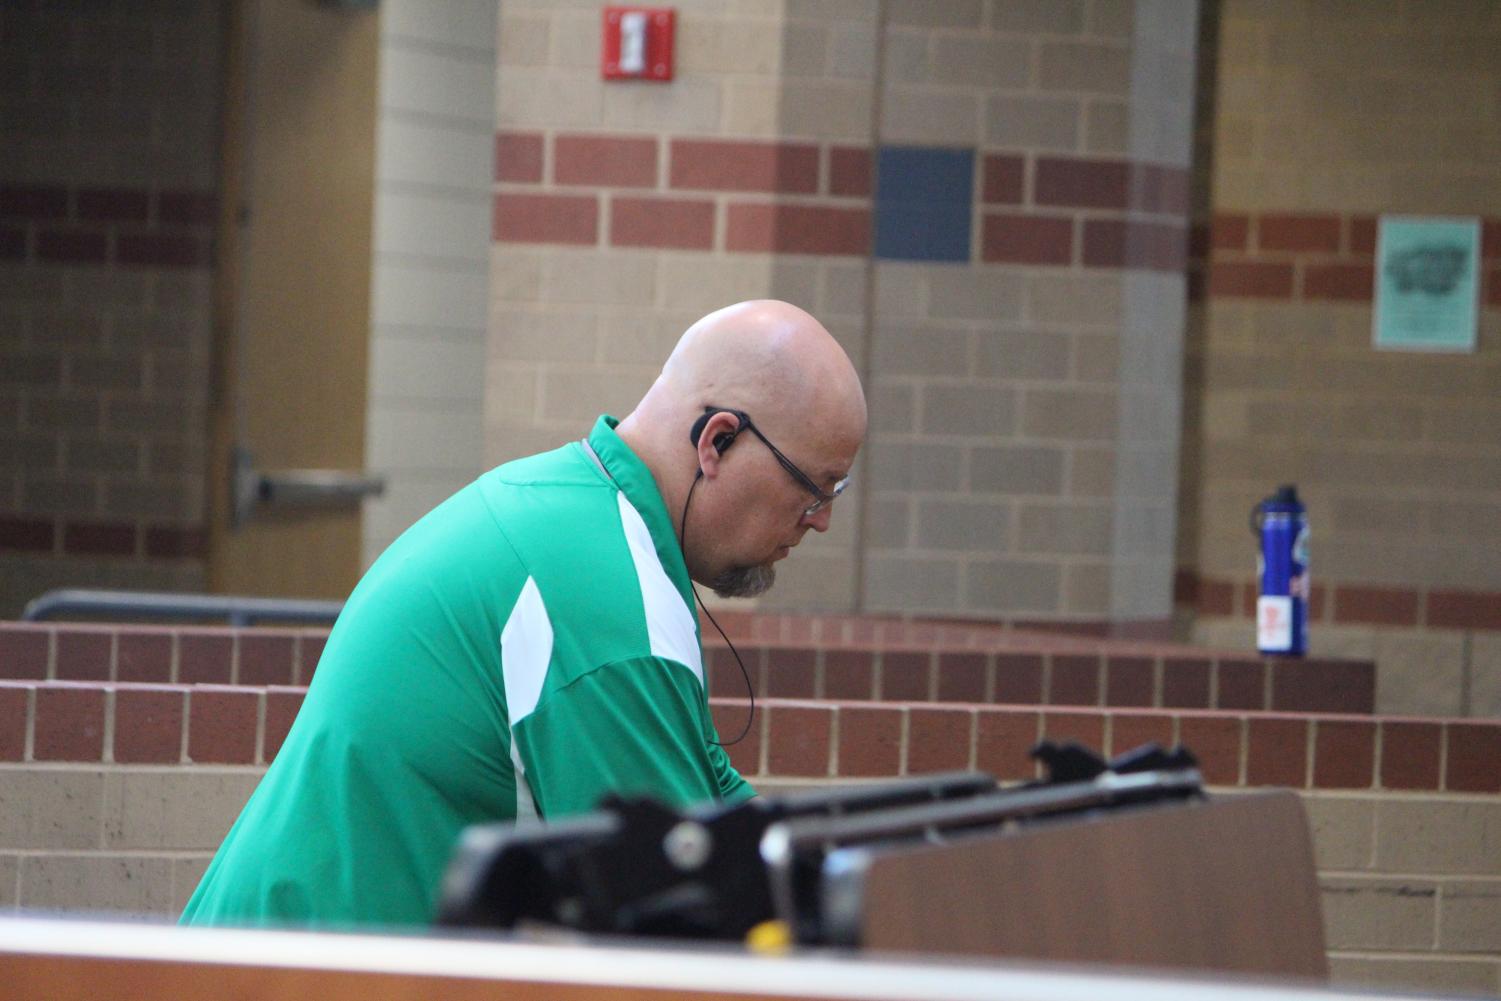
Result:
<point x="1319" y="125"/>
<point x="986" y="203"/>
<point x="107" y="208"/>
<point x="126" y="752"/>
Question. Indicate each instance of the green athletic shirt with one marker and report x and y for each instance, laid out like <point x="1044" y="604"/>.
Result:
<point x="525" y="648"/>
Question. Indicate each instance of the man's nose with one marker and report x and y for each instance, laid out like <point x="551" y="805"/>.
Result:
<point x="819" y="520"/>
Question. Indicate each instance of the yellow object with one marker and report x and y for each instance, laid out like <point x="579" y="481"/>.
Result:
<point x="769" y="937"/>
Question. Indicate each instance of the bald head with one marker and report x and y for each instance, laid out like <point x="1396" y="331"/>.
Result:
<point x="772" y="361"/>
<point x="761" y="356"/>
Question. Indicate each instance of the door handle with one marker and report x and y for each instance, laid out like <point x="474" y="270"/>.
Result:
<point x="289" y="489"/>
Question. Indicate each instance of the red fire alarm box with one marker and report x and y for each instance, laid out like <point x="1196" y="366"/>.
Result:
<point x="637" y="43"/>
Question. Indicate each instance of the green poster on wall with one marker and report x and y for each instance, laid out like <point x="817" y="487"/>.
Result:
<point x="1427" y="284"/>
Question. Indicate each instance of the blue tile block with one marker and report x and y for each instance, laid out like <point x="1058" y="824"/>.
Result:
<point x="924" y="203"/>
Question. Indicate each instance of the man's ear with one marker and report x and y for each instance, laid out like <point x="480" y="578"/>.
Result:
<point x="713" y="434"/>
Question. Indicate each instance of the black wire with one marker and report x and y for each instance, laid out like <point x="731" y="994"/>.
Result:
<point x="682" y="528"/>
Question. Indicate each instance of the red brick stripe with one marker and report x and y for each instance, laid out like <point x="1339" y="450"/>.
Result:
<point x="72" y="246"/>
<point x="163" y="250"/>
<point x="797" y="229"/>
<point x="605" y="161"/>
<point x="1339" y="282"/>
<point x="744" y="166"/>
<point x="1298" y="232"/>
<point x="1027" y="239"/>
<point x="686" y="224"/>
<point x="1003" y="179"/>
<point x="570" y="219"/>
<point x="33" y="202"/>
<point x="518" y="157"/>
<point x="112" y="204"/>
<point x="850" y="171"/>
<point x="1251" y="279"/>
<point x="1095" y="184"/>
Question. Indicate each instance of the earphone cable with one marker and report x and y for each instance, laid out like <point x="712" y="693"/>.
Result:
<point x="682" y="529"/>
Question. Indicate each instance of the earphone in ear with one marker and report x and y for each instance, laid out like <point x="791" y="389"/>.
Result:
<point x="721" y="441"/>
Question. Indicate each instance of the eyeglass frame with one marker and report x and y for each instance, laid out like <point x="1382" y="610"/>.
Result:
<point x="805" y="481"/>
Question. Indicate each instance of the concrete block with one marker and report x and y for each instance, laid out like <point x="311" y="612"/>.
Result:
<point x="515" y="274"/>
<point x="406" y="294"/>
<point x="522" y="40"/>
<point x="807" y="583"/>
<point x="463" y="23"/>
<point x="1090" y="472"/>
<point x="902" y="289"/>
<point x="580" y="396"/>
<point x="980" y="61"/>
<point x="1448" y="975"/>
<point x="50" y="808"/>
<point x="1072" y="414"/>
<point x="1081" y="66"/>
<point x="926" y="466"/>
<point x="555" y="335"/>
<point x="975" y="294"/>
<point x="920" y="349"/>
<point x="692" y="282"/>
<point x="1048" y="529"/>
<point x="752" y="107"/>
<point x="1470" y="916"/>
<point x="449" y="227"/>
<point x="906" y="57"/>
<point x="842" y="290"/>
<point x="409" y="438"/>
<point x="729" y="46"/>
<point x="620" y="278"/>
<point x="10" y="882"/>
<point x="921" y="13"/>
<point x="427" y="152"/>
<point x="426" y="367"/>
<point x="1082" y="300"/>
<point x="1419" y="673"/>
<point x="529" y="97"/>
<point x="1438" y="837"/>
<point x="1045" y="122"/>
<point x="633" y="336"/>
<point x="1111" y="18"/>
<point x="893" y="407"/>
<point x="852" y="52"/>
<point x="1023" y="354"/>
<point x="920" y="116"/>
<point x="898" y="583"/>
<point x="1013" y="587"/>
<point x="834" y="109"/>
<point x="187" y="873"/>
<point x="125" y="885"/>
<point x="1344" y="831"/>
<point x="1087" y="589"/>
<point x="689" y="105"/>
<point x="805" y="50"/>
<point x="1038" y="17"/>
<point x="971" y="410"/>
<point x="573" y="38"/>
<point x="1379" y="913"/>
<point x="978" y="527"/>
<point x="511" y="393"/>
<point x="1485" y="674"/>
<point x="889" y="523"/>
<point x="173" y="808"/>
<point x="423" y="82"/>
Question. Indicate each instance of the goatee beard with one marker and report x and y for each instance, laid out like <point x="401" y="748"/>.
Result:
<point x="744" y="582"/>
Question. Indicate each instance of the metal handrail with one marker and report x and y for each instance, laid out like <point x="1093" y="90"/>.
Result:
<point x="239" y="610"/>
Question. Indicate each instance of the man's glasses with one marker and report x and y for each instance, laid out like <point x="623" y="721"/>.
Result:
<point x="821" y="499"/>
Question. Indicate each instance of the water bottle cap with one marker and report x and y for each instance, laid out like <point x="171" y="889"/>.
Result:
<point x="1287" y="493"/>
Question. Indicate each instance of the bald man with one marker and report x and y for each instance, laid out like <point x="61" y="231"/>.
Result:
<point x="532" y="645"/>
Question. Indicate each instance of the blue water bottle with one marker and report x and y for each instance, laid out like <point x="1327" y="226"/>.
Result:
<point x="1281" y="524"/>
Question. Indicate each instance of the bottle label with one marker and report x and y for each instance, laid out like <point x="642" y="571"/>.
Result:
<point x="1274" y="622"/>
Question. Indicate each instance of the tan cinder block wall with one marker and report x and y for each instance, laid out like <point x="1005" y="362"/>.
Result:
<point x="1333" y="114"/>
<point x="1411" y="883"/>
<point x="108" y="173"/>
<point x="580" y="330"/>
<point x="1024" y="398"/>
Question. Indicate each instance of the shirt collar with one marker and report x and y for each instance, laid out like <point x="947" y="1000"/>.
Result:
<point x="635" y="480"/>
